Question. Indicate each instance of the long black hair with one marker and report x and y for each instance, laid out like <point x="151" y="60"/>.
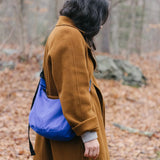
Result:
<point x="87" y="15"/>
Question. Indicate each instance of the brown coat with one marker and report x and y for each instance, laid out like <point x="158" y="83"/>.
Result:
<point x="68" y="69"/>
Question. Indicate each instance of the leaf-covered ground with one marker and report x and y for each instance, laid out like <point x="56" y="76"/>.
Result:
<point x="138" y="108"/>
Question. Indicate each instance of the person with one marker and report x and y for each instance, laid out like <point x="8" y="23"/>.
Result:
<point x="68" y="69"/>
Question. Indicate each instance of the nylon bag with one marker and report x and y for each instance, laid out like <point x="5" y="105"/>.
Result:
<point x="46" y="117"/>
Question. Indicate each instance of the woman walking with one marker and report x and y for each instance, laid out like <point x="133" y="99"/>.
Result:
<point x="68" y="71"/>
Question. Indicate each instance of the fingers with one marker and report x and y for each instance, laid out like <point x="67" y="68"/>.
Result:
<point x="86" y="153"/>
<point x="93" y="153"/>
<point x="92" y="149"/>
<point x="97" y="154"/>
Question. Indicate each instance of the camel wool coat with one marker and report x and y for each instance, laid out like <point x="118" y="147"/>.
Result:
<point x="68" y="69"/>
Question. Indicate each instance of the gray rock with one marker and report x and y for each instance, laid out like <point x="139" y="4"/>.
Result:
<point x="108" y="68"/>
<point x="37" y="74"/>
<point x="10" y="65"/>
<point x="8" y="51"/>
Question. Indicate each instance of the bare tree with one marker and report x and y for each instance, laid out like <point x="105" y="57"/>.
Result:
<point x="139" y="40"/>
<point x="131" y="40"/>
<point x="114" y="4"/>
<point x="19" y="14"/>
<point x="130" y="28"/>
<point x="115" y="30"/>
<point x="52" y="12"/>
<point x="105" y="46"/>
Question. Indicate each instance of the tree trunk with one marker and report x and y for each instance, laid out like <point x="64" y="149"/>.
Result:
<point x="131" y="40"/>
<point x="115" y="28"/>
<point x="105" y="38"/>
<point x="52" y="13"/>
<point x="21" y="23"/>
<point x="139" y="40"/>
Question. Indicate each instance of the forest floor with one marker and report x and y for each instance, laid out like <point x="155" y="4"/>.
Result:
<point x="138" y="108"/>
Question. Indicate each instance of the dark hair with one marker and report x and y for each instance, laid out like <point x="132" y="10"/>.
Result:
<point x="87" y="15"/>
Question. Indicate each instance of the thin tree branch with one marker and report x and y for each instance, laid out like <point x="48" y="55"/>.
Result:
<point x="7" y="39"/>
<point x="116" y="3"/>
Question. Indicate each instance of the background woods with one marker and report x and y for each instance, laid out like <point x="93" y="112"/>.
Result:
<point x="128" y="50"/>
<point x="133" y="25"/>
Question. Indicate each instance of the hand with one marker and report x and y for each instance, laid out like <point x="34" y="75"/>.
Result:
<point x="92" y="149"/>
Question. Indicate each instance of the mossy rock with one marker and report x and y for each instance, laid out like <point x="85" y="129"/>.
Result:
<point x="108" y="68"/>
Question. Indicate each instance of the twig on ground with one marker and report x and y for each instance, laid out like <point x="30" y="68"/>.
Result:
<point x="133" y="130"/>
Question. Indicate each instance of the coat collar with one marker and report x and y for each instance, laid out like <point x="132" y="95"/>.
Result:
<point x="66" y="21"/>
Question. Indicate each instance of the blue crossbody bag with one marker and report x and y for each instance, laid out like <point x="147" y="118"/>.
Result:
<point x="46" y="117"/>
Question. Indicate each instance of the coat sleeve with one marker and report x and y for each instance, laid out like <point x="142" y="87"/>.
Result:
<point x="71" y="77"/>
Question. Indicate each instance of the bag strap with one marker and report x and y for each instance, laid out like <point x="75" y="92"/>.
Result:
<point x="30" y="143"/>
